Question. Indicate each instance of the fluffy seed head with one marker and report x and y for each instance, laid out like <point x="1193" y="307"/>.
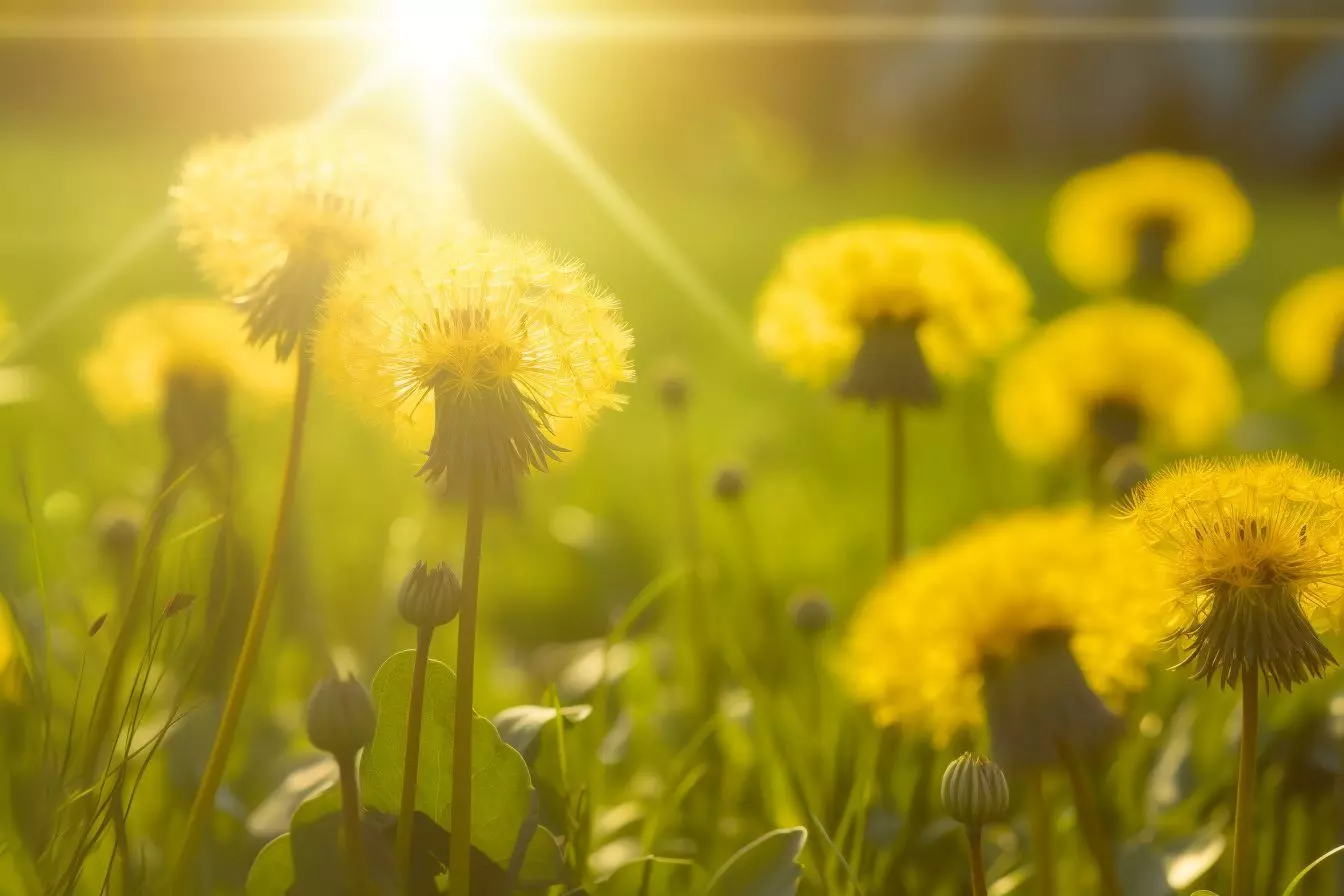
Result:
<point x="975" y="791"/>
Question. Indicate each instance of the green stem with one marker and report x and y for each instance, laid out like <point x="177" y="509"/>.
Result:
<point x="1098" y="843"/>
<point x="978" y="887"/>
<point x="354" y="828"/>
<point x="411" y="767"/>
<point x="896" y="449"/>
<point x="1243" y="847"/>
<point x="202" y="808"/>
<point x="459" y="846"/>
<point x="1042" y="833"/>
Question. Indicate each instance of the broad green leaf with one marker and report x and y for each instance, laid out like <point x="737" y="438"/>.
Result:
<point x="768" y="866"/>
<point x="272" y="871"/>
<point x="652" y="876"/>
<point x="557" y="757"/>
<point x="501" y="787"/>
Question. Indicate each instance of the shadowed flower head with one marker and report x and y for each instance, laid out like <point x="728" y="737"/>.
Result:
<point x="490" y="350"/>
<point x="271" y="218"/>
<point x="1149" y="218"/>
<point x="1256" y="546"/>
<point x="1118" y="371"/>
<point x="154" y="347"/>
<point x="940" y="292"/>
<point x="1306" y="332"/>
<point x="995" y="625"/>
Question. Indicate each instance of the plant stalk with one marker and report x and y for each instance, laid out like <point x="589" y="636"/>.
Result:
<point x="1089" y="819"/>
<point x="1042" y="833"/>
<point x="202" y="808"/>
<point x="411" y="767"/>
<point x="459" y="846"/>
<point x="352" y="825"/>
<point x="1243" y="846"/>
<point x="978" y="887"/>
<point x="896" y="450"/>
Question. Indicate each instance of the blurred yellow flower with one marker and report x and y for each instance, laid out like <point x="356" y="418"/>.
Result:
<point x="1256" y="544"/>
<point x="1114" y="359"/>
<point x="13" y="666"/>
<point x="1305" y="331"/>
<point x="148" y="347"/>
<point x="920" y="646"/>
<point x="273" y="217"/>
<point x="492" y="352"/>
<point x="964" y="298"/>
<point x="1148" y="215"/>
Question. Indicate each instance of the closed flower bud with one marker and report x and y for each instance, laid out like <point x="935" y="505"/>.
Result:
<point x="118" y="529"/>
<point x="674" y="391"/>
<point x="340" y="717"/>
<point x="429" y="597"/>
<point x="730" y="484"/>
<point x="811" y="612"/>
<point x="975" y="791"/>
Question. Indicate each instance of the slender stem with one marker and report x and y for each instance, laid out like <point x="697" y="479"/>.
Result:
<point x="202" y="808"/>
<point x="459" y="846"/>
<point x="1042" y="833"/>
<point x="1098" y="843"/>
<point x="354" y="828"/>
<point x="1243" y="846"/>
<point x="896" y="512"/>
<point x="978" y="887"/>
<point x="411" y="767"/>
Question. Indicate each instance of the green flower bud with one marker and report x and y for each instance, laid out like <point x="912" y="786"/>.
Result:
<point x="811" y="612"/>
<point x="975" y="792"/>
<point x="429" y="597"/>
<point x="340" y="716"/>
<point x="730" y="484"/>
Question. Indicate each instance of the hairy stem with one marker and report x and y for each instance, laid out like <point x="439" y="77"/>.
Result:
<point x="459" y="847"/>
<point x="411" y="767"/>
<point x="1243" y="845"/>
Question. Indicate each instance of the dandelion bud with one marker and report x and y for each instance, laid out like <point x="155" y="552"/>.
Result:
<point x="811" y="612"/>
<point x="975" y="791"/>
<point x="117" y="527"/>
<point x="674" y="390"/>
<point x="429" y="597"/>
<point x="730" y="484"/>
<point x="340" y="717"/>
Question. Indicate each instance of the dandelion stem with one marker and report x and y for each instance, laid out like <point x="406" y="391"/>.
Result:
<point x="1042" y="835"/>
<point x="978" y="887"/>
<point x="459" y="847"/>
<point x="202" y="808"/>
<point x="411" y="767"/>
<point x="896" y="451"/>
<point x="354" y="828"/>
<point x="1098" y="843"/>
<point x="1243" y="848"/>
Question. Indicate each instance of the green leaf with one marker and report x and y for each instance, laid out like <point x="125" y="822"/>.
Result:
<point x="767" y="866"/>
<point x="501" y="788"/>
<point x="1203" y="893"/>
<point x="272" y="871"/>
<point x="652" y="876"/>
<point x="557" y="758"/>
<point x="521" y="727"/>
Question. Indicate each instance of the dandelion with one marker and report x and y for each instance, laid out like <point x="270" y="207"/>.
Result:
<point x="340" y="721"/>
<point x="1255" y="545"/>
<point x="1019" y="625"/>
<point x="975" y="792"/>
<point x="885" y="310"/>
<point x="1148" y="220"/>
<point x="500" y="344"/>
<point x="1110" y="376"/>
<point x="1306" y="332"/>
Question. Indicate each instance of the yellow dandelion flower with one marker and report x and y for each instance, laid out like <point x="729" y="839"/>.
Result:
<point x="492" y="350"/>
<point x="1149" y="217"/>
<point x="994" y="625"/>
<point x="1115" y="372"/>
<point x="891" y="302"/>
<point x="13" y="657"/>
<point x="1306" y="332"/>
<point x="1256" y="546"/>
<point x="273" y="217"/>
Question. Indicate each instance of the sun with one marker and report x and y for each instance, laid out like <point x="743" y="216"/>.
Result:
<point x="437" y="37"/>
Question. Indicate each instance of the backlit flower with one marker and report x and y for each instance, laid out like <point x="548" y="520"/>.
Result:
<point x="1119" y="372"/>
<point x="1256" y="546"/>
<point x="491" y="350"/>
<point x="1306" y="332"/>
<point x="272" y="218"/>
<point x="1149" y="218"/>
<point x="996" y="624"/>
<point x="884" y="304"/>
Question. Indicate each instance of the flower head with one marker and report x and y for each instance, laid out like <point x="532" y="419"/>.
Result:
<point x="1306" y="332"/>
<point x="1256" y="545"/>
<point x="492" y="350"/>
<point x="996" y="623"/>
<point x="1116" y="371"/>
<point x="273" y="217"/>
<point x="1153" y="216"/>
<point x="927" y="298"/>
